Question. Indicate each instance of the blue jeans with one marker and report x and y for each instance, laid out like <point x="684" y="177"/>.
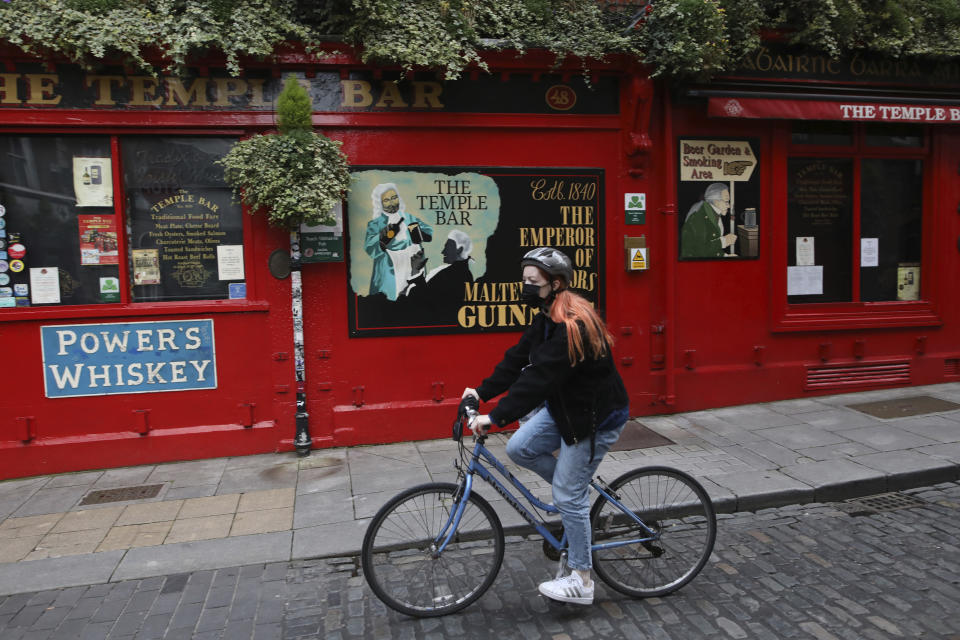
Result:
<point x="532" y="447"/>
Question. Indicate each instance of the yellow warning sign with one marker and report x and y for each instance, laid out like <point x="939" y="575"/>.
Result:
<point x="638" y="258"/>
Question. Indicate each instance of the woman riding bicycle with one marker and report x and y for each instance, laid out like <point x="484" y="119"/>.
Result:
<point x="562" y="368"/>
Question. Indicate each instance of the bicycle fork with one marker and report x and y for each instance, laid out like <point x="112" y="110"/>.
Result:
<point x="460" y="499"/>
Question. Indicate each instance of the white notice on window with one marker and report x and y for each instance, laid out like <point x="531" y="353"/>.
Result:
<point x="44" y="285"/>
<point x="805" y="281"/>
<point x="805" y="251"/>
<point x="92" y="182"/>
<point x="230" y="261"/>
<point x="869" y="252"/>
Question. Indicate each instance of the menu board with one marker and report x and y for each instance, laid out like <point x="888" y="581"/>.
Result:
<point x="820" y="215"/>
<point x="186" y="233"/>
<point x="438" y="250"/>
<point x="186" y="229"/>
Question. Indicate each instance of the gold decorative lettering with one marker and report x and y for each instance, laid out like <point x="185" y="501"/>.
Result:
<point x="256" y="92"/>
<point x="41" y="88"/>
<point x="229" y="88"/>
<point x="763" y="60"/>
<point x="8" y="88"/>
<point x="427" y="95"/>
<point x="195" y="96"/>
<point x="143" y="92"/>
<point x="356" y="93"/>
<point x="390" y="96"/>
<point x="104" y="88"/>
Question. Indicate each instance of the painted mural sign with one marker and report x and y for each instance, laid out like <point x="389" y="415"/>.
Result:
<point x="718" y="193"/>
<point x="437" y="250"/>
<point x="128" y="357"/>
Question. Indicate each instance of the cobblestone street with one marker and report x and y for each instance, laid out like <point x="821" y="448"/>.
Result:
<point x="819" y="571"/>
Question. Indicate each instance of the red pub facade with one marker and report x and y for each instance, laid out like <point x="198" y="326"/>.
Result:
<point x="789" y="230"/>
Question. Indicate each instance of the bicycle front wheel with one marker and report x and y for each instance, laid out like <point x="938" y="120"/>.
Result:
<point x="678" y="511"/>
<point x="400" y="558"/>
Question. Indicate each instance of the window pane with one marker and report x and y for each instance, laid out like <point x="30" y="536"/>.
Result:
<point x="891" y="205"/>
<point x="820" y="210"/>
<point x="186" y="235"/>
<point x="894" y="135"/>
<point x="838" y="134"/>
<point x="60" y="230"/>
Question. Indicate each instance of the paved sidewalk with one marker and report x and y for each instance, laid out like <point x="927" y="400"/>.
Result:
<point x="226" y="512"/>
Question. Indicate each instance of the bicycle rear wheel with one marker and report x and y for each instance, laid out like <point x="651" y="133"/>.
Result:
<point x="676" y="508"/>
<point x="399" y="551"/>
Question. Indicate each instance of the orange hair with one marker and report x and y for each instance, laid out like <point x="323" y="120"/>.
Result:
<point x="572" y="310"/>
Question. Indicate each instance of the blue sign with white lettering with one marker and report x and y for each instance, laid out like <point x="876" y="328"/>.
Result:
<point x="128" y="357"/>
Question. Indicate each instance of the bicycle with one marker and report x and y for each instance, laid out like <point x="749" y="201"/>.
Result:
<point x="435" y="548"/>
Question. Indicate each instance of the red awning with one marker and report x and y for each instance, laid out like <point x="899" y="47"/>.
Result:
<point x="851" y="111"/>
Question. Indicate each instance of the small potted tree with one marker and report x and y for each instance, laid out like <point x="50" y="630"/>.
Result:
<point x="295" y="176"/>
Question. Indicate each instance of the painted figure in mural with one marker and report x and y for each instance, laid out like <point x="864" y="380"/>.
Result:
<point x="446" y="281"/>
<point x="703" y="234"/>
<point x="563" y="372"/>
<point x="394" y="240"/>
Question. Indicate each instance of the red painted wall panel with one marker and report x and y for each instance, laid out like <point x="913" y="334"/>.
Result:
<point x="726" y="310"/>
<point x="247" y="413"/>
<point x="384" y="389"/>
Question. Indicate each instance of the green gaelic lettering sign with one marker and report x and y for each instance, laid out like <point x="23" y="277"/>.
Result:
<point x="323" y="243"/>
<point x="435" y="250"/>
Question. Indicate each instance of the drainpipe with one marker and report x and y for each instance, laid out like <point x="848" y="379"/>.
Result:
<point x="302" y="441"/>
<point x="670" y="213"/>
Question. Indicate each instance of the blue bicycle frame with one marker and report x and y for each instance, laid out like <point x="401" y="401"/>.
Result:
<point x="480" y="454"/>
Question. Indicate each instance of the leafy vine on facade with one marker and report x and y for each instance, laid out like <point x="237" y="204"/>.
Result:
<point x="300" y="174"/>
<point x="674" y="37"/>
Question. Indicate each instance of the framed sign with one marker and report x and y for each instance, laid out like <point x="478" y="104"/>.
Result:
<point x="128" y="357"/>
<point x="186" y="232"/>
<point x="437" y="250"/>
<point x="718" y="196"/>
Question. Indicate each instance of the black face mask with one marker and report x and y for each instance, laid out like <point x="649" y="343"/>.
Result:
<point x="530" y="295"/>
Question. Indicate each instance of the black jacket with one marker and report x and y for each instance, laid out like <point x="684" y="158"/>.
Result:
<point x="538" y="368"/>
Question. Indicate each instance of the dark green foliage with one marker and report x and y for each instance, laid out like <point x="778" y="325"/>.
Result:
<point x="686" y="37"/>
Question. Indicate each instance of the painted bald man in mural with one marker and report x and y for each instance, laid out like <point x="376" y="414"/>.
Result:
<point x="440" y="292"/>
<point x="394" y="240"/>
<point x="703" y="234"/>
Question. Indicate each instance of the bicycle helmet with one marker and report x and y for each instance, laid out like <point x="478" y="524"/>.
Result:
<point x="552" y="261"/>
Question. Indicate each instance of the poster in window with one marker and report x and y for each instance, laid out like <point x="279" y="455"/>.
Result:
<point x="719" y="197"/>
<point x="92" y="182"/>
<point x="98" y="239"/>
<point x="908" y="281"/>
<point x="45" y="285"/>
<point x="230" y="261"/>
<point x="180" y="206"/>
<point x="437" y="250"/>
<point x="146" y="267"/>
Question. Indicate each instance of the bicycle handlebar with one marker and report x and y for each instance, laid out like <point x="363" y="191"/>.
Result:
<point x="469" y="407"/>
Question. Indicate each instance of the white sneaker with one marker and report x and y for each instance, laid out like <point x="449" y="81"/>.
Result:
<point x="568" y="589"/>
